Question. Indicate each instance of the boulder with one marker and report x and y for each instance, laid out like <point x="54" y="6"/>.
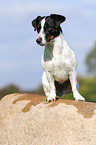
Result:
<point x="26" y="119"/>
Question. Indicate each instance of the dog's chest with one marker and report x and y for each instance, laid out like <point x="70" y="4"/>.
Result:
<point x="58" y="69"/>
<point x="58" y="59"/>
<point x="55" y="62"/>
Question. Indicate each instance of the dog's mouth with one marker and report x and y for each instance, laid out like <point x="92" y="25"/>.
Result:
<point x="39" y="41"/>
<point x="41" y="44"/>
<point x="48" y="39"/>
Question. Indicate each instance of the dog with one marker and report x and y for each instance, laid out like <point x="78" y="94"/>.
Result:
<point x="58" y="60"/>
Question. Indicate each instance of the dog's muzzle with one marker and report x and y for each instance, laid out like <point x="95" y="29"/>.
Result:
<point x="39" y="40"/>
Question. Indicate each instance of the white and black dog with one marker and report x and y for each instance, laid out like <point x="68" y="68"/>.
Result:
<point x="58" y="60"/>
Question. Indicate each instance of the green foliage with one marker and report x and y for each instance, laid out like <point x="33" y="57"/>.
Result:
<point x="87" y="88"/>
<point x="91" y="60"/>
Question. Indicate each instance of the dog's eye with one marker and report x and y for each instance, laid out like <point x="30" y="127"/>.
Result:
<point x="47" y="27"/>
<point x="38" y="28"/>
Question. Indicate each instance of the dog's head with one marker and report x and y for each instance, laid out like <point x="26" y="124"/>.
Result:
<point x="47" y="27"/>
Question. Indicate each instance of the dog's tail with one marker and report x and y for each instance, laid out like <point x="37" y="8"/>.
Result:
<point x="64" y="88"/>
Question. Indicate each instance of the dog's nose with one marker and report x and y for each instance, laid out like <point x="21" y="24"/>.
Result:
<point x="38" y="40"/>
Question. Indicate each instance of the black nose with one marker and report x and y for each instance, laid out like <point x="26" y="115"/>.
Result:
<point x="38" y="40"/>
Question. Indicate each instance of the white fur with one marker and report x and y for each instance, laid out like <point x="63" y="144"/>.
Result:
<point x="41" y="33"/>
<point x="59" y="63"/>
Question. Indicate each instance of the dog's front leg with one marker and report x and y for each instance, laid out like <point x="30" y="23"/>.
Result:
<point x="73" y="81"/>
<point x="49" y="86"/>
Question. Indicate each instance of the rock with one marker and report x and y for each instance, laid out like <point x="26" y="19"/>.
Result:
<point x="26" y="119"/>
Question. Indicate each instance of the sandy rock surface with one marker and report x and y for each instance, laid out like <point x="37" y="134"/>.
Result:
<point x="26" y="119"/>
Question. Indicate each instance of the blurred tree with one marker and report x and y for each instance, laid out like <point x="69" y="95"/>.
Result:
<point x="9" y="90"/>
<point x="91" y="60"/>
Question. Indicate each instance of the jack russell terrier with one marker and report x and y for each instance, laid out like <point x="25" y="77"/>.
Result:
<point x="58" y="60"/>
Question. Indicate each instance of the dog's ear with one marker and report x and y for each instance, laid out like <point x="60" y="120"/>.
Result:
<point x="57" y="19"/>
<point x="35" y="22"/>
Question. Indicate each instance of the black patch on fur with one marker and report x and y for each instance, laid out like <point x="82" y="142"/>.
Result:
<point x="52" y="26"/>
<point x="63" y="88"/>
<point x="57" y="19"/>
<point x="36" y="23"/>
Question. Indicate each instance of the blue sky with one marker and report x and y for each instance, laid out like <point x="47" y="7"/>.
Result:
<point x="20" y="56"/>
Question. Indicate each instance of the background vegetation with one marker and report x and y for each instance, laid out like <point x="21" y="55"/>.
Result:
<point x="91" y="61"/>
<point x="87" y="89"/>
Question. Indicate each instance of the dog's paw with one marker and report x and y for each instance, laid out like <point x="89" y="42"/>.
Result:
<point x="50" y="99"/>
<point x="79" y="98"/>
